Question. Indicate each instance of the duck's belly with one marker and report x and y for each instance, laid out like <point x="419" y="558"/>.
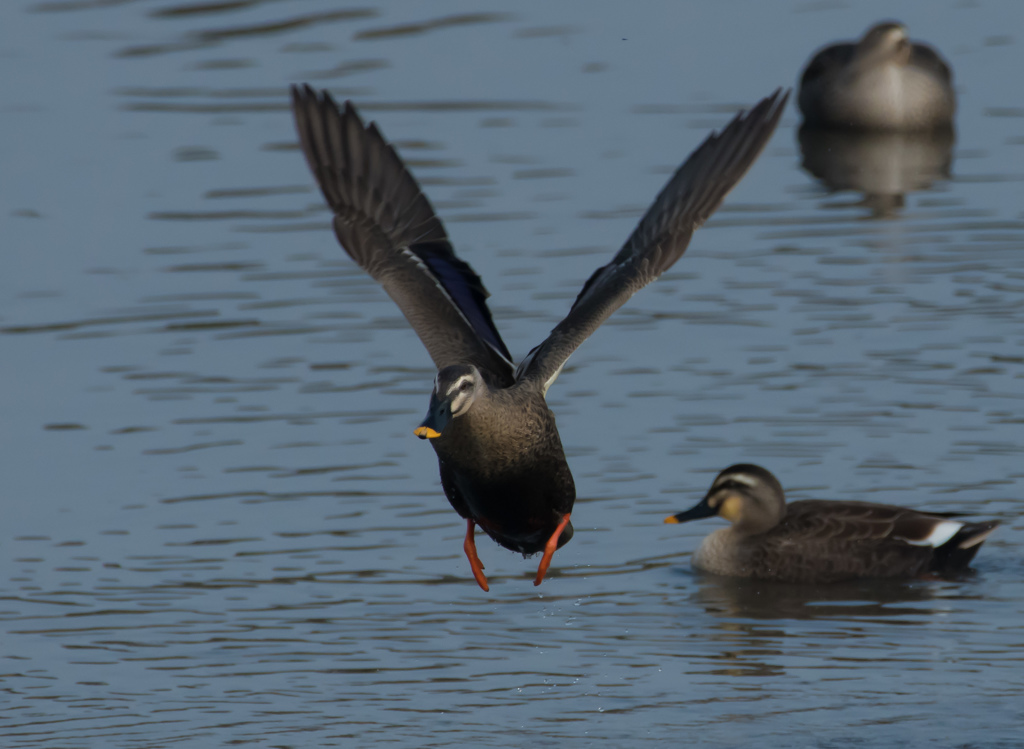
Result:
<point x="520" y="511"/>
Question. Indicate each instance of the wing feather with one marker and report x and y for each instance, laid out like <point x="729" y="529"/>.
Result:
<point x="386" y="224"/>
<point x="693" y="193"/>
<point x="823" y="520"/>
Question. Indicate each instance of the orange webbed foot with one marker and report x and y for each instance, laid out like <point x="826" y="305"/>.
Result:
<point x="474" y="561"/>
<point x="549" y="550"/>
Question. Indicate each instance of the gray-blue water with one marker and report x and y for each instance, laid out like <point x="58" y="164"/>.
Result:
<point x="218" y="528"/>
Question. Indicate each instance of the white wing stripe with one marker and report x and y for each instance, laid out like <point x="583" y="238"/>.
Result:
<point x="430" y="274"/>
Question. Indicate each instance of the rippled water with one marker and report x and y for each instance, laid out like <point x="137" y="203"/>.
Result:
<point x="218" y="526"/>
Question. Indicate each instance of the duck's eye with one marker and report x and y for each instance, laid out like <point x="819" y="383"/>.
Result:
<point x="465" y="386"/>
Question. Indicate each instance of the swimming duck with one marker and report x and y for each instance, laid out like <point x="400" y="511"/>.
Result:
<point x="882" y="82"/>
<point x="501" y="460"/>
<point x="818" y="541"/>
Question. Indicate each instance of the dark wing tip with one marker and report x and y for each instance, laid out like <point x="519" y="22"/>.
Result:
<point x="384" y="221"/>
<point x="305" y="97"/>
<point x="700" y="185"/>
<point x="752" y="128"/>
<point x="359" y="173"/>
<point x="692" y="194"/>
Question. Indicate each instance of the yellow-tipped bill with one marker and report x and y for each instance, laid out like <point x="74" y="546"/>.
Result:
<point x="438" y="415"/>
<point x="701" y="510"/>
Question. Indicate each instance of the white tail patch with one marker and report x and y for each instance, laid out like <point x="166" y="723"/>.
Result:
<point x="941" y="533"/>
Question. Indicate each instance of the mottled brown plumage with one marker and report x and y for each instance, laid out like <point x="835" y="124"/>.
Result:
<point x="816" y="541"/>
<point x="501" y="460"/>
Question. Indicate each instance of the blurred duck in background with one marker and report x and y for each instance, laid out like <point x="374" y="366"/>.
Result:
<point x="878" y="118"/>
<point x="881" y="82"/>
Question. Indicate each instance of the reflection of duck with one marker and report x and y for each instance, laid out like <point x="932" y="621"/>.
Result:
<point x="882" y="82"/>
<point x="501" y="459"/>
<point x="883" y="166"/>
<point x="731" y="598"/>
<point x="815" y="541"/>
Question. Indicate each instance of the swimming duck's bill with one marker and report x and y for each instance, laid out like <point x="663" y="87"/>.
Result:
<point x="439" y="414"/>
<point x="701" y="510"/>
<point x="724" y="502"/>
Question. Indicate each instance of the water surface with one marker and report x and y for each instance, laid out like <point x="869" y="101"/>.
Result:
<point x="218" y="525"/>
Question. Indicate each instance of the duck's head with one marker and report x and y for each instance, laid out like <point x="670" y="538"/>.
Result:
<point x="455" y="389"/>
<point x="886" y="41"/>
<point x="748" y="496"/>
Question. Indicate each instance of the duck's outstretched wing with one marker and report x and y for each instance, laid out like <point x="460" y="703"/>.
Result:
<point x="387" y="225"/>
<point x="693" y="194"/>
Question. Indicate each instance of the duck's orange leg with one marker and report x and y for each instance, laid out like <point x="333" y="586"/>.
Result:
<point x="549" y="550"/>
<point x="474" y="561"/>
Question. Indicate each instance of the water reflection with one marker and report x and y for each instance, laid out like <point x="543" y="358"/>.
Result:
<point x="730" y="598"/>
<point x="208" y="464"/>
<point x="197" y="39"/>
<point x="882" y="166"/>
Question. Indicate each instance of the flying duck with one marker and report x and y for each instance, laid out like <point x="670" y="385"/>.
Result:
<point x="501" y="459"/>
<point x="882" y="82"/>
<point x="820" y="541"/>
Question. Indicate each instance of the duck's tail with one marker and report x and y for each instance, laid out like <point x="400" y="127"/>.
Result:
<point x="956" y="554"/>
